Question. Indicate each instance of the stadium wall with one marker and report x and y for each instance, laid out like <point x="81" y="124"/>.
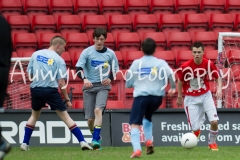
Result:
<point x="169" y="125"/>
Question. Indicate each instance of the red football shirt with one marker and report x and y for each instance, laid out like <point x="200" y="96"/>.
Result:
<point x="195" y="77"/>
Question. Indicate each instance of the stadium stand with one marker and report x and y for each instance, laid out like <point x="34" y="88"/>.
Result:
<point x="173" y="24"/>
<point x="161" y="7"/>
<point x="37" y="7"/>
<point x="209" y="7"/>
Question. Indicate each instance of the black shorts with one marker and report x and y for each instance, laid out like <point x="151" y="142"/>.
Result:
<point x="144" y="106"/>
<point x="43" y="95"/>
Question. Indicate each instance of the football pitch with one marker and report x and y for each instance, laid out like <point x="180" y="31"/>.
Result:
<point x="121" y="153"/>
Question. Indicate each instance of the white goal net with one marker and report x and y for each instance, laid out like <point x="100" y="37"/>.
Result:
<point x="18" y="91"/>
<point x="229" y="57"/>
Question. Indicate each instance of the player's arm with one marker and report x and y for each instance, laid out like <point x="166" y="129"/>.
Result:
<point x="179" y="98"/>
<point x="30" y="68"/>
<point x="129" y="77"/>
<point x="61" y="77"/>
<point x="180" y="86"/>
<point x="219" y="88"/>
<point x="216" y="75"/>
<point x="170" y="76"/>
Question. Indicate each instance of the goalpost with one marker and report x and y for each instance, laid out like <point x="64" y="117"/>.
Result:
<point x="229" y="60"/>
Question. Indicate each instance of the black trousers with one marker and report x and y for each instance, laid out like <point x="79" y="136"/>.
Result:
<point x="5" y="60"/>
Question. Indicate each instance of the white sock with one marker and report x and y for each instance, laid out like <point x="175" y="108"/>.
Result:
<point x="212" y="136"/>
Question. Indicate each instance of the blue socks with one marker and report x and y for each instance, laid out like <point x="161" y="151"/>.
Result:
<point x="147" y="127"/>
<point x="28" y="132"/>
<point x="77" y="133"/>
<point x="135" y="139"/>
<point x="96" y="133"/>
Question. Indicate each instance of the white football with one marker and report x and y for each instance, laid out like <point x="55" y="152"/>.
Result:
<point x="189" y="140"/>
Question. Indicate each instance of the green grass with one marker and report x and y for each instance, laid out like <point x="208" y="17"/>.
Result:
<point x="121" y="153"/>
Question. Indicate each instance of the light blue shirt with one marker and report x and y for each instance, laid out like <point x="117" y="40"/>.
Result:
<point x="96" y="65"/>
<point x="149" y="76"/>
<point x="47" y="67"/>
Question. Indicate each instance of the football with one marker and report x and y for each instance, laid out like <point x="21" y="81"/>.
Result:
<point x="189" y="140"/>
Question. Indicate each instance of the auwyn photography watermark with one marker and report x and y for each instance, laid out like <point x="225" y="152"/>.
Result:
<point x="161" y="74"/>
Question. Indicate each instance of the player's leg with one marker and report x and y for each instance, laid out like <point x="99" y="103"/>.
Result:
<point x="194" y="111"/>
<point x="4" y="146"/>
<point x="29" y="129"/>
<point x="53" y="98"/>
<point x="37" y="104"/>
<point x="155" y="102"/>
<point x="89" y="100"/>
<point x="74" y="129"/>
<point x="210" y="109"/>
<point x="136" y="117"/>
<point x="101" y="101"/>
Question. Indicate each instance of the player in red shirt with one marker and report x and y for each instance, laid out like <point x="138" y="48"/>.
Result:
<point x="193" y="80"/>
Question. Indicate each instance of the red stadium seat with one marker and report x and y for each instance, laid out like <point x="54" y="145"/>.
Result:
<point x="211" y="55"/>
<point x="38" y="7"/>
<point x="233" y="57"/>
<point x="78" y="104"/>
<point x="221" y="23"/>
<point x="233" y="100"/>
<point x="133" y="7"/>
<point x="66" y="57"/>
<point x="128" y="97"/>
<point x="209" y="7"/>
<point x="68" y="23"/>
<point x="127" y="42"/>
<point x="76" y="42"/>
<point x="232" y="7"/>
<point x="235" y="73"/>
<point x="25" y="54"/>
<point x="60" y="7"/>
<point x="158" y="37"/>
<point x="73" y="78"/>
<point x="170" y="23"/>
<point x="45" y="38"/>
<point x="161" y="7"/>
<point x="167" y="56"/>
<point x="88" y="7"/>
<point x="195" y="23"/>
<point x="119" y="23"/>
<point x="14" y="55"/>
<point x="75" y="58"/>
<point x="10" y="7"/>
<point x="19" y="23"/>
<point x="120" y="59"/>
<point x="144" y="23"/>
<point x="109" y="42"/>
<point x="111" y="7"/>
<point x="43" y="24"/>
<point x="182" y="57"/>
<point x="186" y="6"/>
<point x="77" y="93"/>
<point x="25" y="42"/>
<point x="130" y="56"/>
<point x="207" y="38"/>
<point x="213" y="86"/>
<point x="115" y="105"/>
<point x="90" y="22"/>
<point x="179" y="41"/>
<point x="237" y="22"/>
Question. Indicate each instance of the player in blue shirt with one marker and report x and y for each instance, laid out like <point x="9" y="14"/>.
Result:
<point x="5" y="63"/>
<point x="48" y="72"/>
<point x="148" y="76"/>
<point x="98" y="62"/>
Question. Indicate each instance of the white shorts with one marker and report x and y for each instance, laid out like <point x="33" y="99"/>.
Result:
<point x="196" y="107"/>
